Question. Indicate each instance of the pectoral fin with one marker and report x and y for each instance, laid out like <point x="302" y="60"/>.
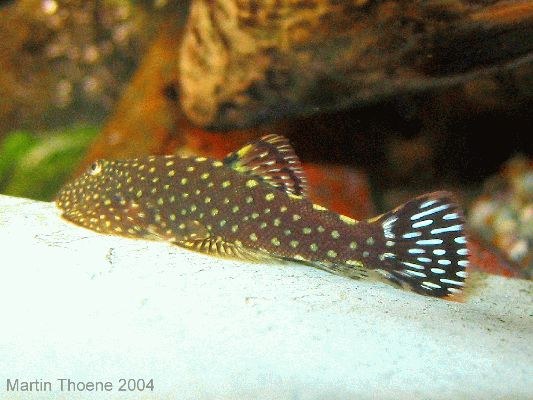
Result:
<point x="180" y="232"/>
<point x="218" y="246"/>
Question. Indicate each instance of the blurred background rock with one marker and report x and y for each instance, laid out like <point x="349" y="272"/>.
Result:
<point x="82" y="80"/>
<point x="66" y="62"/>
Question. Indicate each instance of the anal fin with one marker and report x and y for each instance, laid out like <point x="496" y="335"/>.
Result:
<point x="185" y="231"/>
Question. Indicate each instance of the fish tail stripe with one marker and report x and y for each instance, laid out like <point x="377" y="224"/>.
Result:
<point x="430" y="252"/>
<point x="429" y="212"/>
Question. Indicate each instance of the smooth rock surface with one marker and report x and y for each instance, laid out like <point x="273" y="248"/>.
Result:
<point x="79" y="305"/>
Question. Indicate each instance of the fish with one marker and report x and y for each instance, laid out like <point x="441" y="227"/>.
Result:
<point x="254" y="205"/>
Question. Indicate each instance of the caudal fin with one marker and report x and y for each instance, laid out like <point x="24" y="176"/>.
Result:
<point x="425" y="245"/>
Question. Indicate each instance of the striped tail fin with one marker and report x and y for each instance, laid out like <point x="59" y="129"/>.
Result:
<point x="425" y="245"/>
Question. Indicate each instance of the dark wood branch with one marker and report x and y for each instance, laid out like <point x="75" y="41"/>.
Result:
<point x="245" y="62"/>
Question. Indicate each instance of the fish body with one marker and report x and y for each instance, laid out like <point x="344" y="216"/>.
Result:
<point x="253" y="205"/>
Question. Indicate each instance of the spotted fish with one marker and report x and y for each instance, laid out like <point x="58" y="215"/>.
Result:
<point x="254" y="205"/>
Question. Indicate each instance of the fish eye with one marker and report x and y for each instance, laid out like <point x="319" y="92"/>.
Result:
<point x="95" y="168"/>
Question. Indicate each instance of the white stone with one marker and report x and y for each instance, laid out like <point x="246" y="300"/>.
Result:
<point x="79" y="305"/>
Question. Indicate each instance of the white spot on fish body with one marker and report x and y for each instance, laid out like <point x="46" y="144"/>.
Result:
<point x="429" y="242"/>
<point x="460" y="240"/>
<point x="438" y="270"/>
<point x="332" y="253"/>
<point x="415" y="273"/>
<point x="429" y="212"/>
<point x="387" y="227"/>
<point x="423" y="223"/>
<point x="452" y="228"/>
<point x="427" y="203"/>
<point x="431" y="285"/>
<point x="383" y="256"/>
<point x="451" y="216"/>
<point x="462" y="274"/>
<point x="416" y="251"/>
<point x="412" y="265"/>
<point x="452" y="282"/>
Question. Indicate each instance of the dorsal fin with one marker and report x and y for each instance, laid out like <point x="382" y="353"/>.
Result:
<point x="271" y="159"/>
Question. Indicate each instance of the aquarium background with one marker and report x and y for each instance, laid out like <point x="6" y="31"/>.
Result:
<point x="382" y="100"/>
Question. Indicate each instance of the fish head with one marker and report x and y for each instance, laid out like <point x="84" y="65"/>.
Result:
<point x="94" y="195"/>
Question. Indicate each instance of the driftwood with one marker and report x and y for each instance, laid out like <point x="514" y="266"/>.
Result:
<point x="245" y="62"/>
